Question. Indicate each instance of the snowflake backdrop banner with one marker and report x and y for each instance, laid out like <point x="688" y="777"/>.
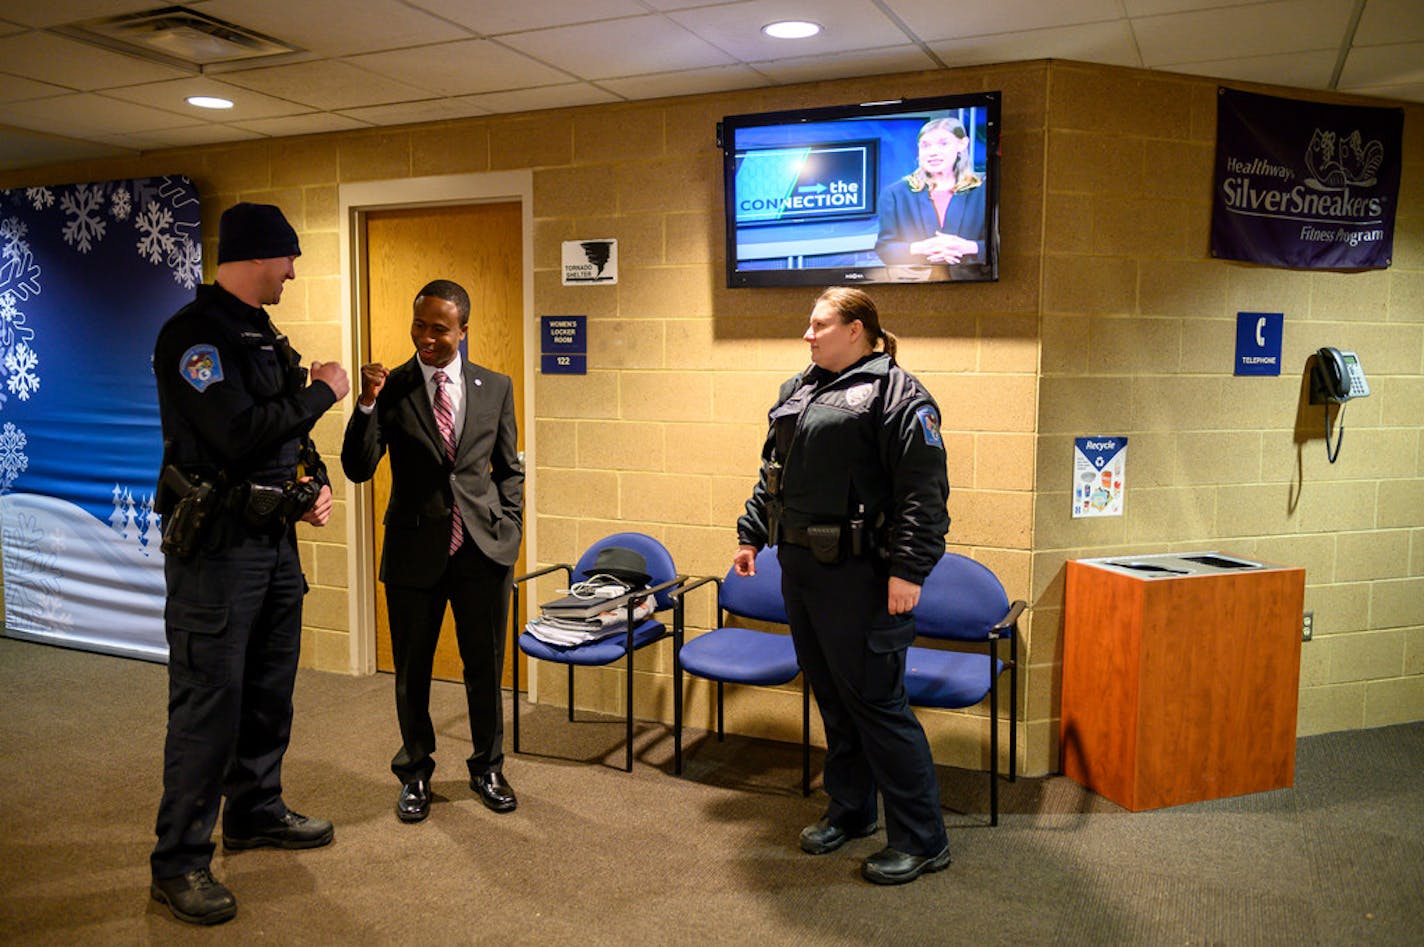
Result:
<point x="88" y="274"/>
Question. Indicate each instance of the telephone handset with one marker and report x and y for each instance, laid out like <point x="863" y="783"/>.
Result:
<point x="1337" y="376"/>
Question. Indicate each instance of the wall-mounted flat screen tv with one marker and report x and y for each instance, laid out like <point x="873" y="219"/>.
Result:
<point x="883" y="192"/>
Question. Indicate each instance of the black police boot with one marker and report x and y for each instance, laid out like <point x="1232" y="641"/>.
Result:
<point x="824" y="837"/>
<point x="292" y="830"/>
<point x="196" y="897"/>
<point x="893" y="867"/>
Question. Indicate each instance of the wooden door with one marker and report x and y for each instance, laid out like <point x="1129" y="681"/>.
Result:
<point x="478" y="246"/>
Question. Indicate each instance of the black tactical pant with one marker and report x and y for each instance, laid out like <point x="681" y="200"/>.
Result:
<point x="852" y="652"/>
<point x="234" y="626"/>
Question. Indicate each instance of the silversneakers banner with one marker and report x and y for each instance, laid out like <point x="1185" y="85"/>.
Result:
<point x="1305" y="184"/>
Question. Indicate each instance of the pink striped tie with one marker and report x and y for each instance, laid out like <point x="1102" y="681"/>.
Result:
<point x="445" y="420"/>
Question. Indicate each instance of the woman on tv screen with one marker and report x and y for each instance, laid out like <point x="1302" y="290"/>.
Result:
<point x="936" y="213"/>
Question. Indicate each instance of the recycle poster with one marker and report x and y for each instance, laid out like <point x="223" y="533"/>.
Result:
<point x="1099" y="476"/>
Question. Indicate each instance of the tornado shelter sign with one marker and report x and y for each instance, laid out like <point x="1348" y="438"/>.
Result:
<point x="590" y="262"/>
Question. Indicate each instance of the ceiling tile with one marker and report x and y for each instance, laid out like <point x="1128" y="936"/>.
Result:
<point x="76" y="65"/>
<point x="569" y="95"/>
<point x="326" y="84"/>
<point x="1401" y="64"/>
<point x="88" y="114"/>
<point x="619" y="48"/>
<point x="1158" y="7"/>
<point x="860" y="62"/>
<point x="19" y="149"/>
<point x="408" y="113"/>
<point x="171" y="95"/>
<point x="493" y="18"/>
<point x="736" y="29"/>
<point x="461" y="68"/>
<point x="60" y="12"/>
<point x="1262" y="29"/>
<point x="932" y="20"/>
<point x="1408" y="92"/>
<point x="1391" y="21"/>
<point x="686" y="82"/>
<point x="337" y="27"/>
<point x="1310" y="70"/>
<point x="664" y="5"/>
<point x="14" y="89"/>
<point x="312" y="124"/>
<point x="1109" y="43"/>
<point x="186" y="137"/>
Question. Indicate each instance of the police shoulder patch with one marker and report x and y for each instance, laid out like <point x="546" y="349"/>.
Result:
<point x="200" y="366"/>
<point x="929" y="424"/>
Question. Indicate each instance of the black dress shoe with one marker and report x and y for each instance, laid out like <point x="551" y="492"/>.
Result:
<point x="891" y="867"/>
<point x="414" y="802"/>
<point x="196" y="897"/>
<point x="824" y="837"/>
<point x="494" y="791"/>
<point x="292" y="830"/>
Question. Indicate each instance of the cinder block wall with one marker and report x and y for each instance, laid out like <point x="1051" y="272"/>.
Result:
<point x="1137" y="338"/>
<point x="1108" y="318"/>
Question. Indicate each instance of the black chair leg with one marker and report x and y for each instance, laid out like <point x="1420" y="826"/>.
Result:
<point x="720" y="732"/>
<point x="993" y="746"/>
<point x="677" y="716"/>
<point x="628" y="763"/>
<point x="1013" y="711"/>
<point x="571" y="692"/>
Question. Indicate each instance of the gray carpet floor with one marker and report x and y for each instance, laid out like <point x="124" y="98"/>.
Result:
<point x="594" y="855"/>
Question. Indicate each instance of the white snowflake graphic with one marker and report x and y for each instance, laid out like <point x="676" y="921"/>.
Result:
<point x="83" y="204"/>
<point x="19" y="274"/>
<point x="12" y="329"/>
<point x="185" y="258"/>
<point x="121" y="205"/>
<point x="154" y="239"/>
<point x="30" y="561"/>
<point x="12" y="238"/>
<point x="39" y="197"/>
<point x="53" y="614"/>
<point x="21" y="363"/>
<point x="13" y="459"/>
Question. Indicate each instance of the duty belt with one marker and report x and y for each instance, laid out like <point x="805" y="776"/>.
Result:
<point x="795" y="535"/>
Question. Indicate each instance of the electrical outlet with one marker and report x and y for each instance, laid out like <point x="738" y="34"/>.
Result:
<point x="1307" y="626"/>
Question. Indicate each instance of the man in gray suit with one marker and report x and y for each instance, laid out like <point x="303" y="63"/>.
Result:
<point x="453" y="527"/>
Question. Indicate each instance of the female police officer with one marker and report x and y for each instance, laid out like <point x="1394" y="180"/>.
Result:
<point x="853" y="492"/>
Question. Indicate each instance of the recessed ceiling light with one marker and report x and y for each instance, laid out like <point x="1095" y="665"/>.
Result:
<point x="791" y="29"/>
<point x="209" y="102"/>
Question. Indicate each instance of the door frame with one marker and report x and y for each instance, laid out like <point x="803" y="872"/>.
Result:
<point x="354" y="201"/>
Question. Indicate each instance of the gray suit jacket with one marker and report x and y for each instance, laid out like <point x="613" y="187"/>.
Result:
<point x="486" y="478"/>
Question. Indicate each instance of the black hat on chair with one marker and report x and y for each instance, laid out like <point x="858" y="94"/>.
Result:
<point x="623" y="564"/>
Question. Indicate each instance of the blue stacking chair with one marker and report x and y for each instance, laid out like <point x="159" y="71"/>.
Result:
<point x="729" y="654"/>
<point x="640" y="634"/>
<point x="962" y="602"/>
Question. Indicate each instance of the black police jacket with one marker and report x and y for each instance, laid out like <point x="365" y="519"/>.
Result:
<point x="869" y="436"/>
<point x="229" y="403"/>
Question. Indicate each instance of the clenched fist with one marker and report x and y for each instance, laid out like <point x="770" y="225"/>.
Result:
<point x="373" y="379"/>
<point x="334" y="375"/>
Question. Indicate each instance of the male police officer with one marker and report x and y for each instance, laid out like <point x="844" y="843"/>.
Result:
<point x="239" y="472"/>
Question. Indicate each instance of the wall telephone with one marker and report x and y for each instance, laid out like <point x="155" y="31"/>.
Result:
<point x="1337" y="377"/>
